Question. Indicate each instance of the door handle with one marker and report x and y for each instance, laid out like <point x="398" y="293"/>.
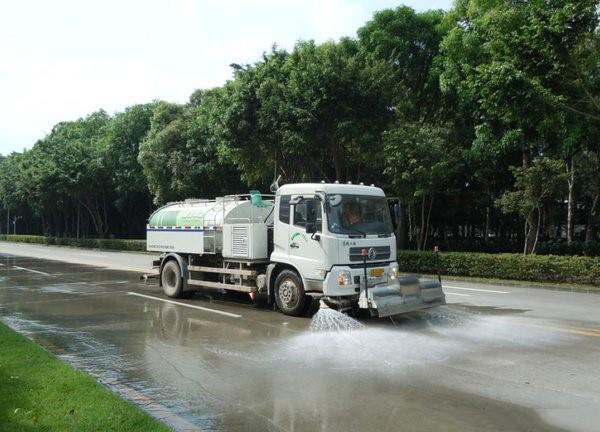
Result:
<point x="294" y="245"/>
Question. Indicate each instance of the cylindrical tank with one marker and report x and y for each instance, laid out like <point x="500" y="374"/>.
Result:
<point x="196" y="226"/>
<point x="193" y="214"/>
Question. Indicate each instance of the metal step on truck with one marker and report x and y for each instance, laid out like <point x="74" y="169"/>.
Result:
<point x="328" y="241"/>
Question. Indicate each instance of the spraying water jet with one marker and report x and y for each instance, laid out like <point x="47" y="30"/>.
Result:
<point x="329" y="319"/>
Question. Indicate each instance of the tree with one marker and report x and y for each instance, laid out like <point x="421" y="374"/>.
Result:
<point x="179" y="155"/>
<point x="534" y="186"/>
<point x="406" y="45"/>
<point x="71" y="166"/>
<point x="512" y="63"/>
<point x="419" y="165"/>
<point x="315" y="113"/>
<point x="121" y="142"/>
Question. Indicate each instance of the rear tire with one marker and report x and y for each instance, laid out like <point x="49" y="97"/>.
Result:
<point x="289" y="294"/>
<point x="171" y="281"/>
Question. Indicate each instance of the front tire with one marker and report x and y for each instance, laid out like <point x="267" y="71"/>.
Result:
<point x="289" y="294"/>
<point x="171" y="281"/>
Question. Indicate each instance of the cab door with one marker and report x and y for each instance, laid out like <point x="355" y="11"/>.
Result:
<point x="305" y="249"/>
<point x="281" y="234"/>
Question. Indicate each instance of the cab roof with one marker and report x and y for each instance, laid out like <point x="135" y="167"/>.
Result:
<point x="329" y="188"/>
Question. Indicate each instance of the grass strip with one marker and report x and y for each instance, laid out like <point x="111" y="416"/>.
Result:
<point x="39" y="392"/>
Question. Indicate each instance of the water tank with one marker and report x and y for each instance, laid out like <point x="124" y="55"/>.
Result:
<point x="231" y="226"/>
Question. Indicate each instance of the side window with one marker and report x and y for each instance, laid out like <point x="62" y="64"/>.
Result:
<point x="308" y="211"/>
<point x="284" y="208"/>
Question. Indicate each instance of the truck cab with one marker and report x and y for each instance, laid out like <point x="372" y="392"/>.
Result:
<point x="339" y="240"/>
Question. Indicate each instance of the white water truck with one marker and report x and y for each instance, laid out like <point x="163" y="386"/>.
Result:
<point x="328" y="241"/>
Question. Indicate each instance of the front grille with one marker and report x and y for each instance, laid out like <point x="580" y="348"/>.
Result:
<point x="381" y="253"/>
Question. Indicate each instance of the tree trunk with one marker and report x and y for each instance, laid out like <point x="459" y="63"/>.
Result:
<point x="401" y="230"/>
<point x="591" y="230"/>
<point x="537" y="230"/>
<point x="105" y="214"/>
<point x="95" y="215"/>
<point x="426" y="231"/>
<point x="422" y="228"/>
<point x="337" y="162"/>
<point x="531" y="228"/>
<point x="486" y="231"/>
<point x="570" y="199"/>
<point x="410" y="222"/>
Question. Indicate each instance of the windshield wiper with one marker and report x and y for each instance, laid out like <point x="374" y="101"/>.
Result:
<point x="364" y="234"/>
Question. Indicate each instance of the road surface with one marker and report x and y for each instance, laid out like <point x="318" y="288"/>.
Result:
<point x="496" y="358"/>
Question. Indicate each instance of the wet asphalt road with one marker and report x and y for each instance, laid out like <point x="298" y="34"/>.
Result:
<point x="495" y="358"/>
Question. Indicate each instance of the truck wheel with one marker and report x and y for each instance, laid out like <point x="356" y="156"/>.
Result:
<point x="170" y="277"/>
<point x="289" y="294"/>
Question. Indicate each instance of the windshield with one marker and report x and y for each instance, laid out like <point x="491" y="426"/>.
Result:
<point x="357" y="214"/>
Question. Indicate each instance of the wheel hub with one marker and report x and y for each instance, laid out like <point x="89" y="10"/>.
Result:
<point x="287" y="291"/>
<point x="171" y="278"/>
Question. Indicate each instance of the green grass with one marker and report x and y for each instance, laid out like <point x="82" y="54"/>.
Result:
<point x="39" y="392"/>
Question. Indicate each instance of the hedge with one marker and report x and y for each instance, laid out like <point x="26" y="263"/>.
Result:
<point x="538" y="268"/>
<point x="499" y="245"/>
<point x="114" y="244"/>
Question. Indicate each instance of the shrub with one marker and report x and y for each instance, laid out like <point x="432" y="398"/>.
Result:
<point x="548" y="247"/>
<point x="539" y="268"/>
<point x="114" y="244"/>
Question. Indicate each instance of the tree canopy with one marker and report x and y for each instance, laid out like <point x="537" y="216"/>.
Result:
<point x="484" y="120"/>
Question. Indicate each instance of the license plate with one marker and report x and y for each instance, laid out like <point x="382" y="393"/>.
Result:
<point x="409" y="289"/>
<point x="376" y="272"/>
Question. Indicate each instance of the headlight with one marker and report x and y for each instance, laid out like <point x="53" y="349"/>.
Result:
<point x="344" y="278"/>
<point x="393" y="272"/>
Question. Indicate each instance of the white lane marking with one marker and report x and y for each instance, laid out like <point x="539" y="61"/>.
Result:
<point x="108" y="282"/>
<point x="476" y="289"/>
<point x="457" y="294"/>
<point x="186" y="305"/>
<point x="32" y="271"/>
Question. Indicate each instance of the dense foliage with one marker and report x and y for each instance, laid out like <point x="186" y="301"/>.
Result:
<point x="537" y="268"/>
<point x="484" y="120"/>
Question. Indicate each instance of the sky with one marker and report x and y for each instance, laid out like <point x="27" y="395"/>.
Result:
<point x="63" y="59"/>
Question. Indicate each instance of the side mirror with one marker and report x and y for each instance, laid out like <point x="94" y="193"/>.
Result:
<point x="311" y="228"/>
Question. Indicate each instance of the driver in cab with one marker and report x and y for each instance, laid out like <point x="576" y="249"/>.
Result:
<point x="352" y="215"/>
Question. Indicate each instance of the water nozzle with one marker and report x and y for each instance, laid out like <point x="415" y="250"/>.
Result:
<point x="323" y="304"/>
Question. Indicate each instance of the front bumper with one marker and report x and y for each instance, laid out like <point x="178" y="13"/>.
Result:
<point x="410" y="294"/>
<point x="385" y="298"/>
